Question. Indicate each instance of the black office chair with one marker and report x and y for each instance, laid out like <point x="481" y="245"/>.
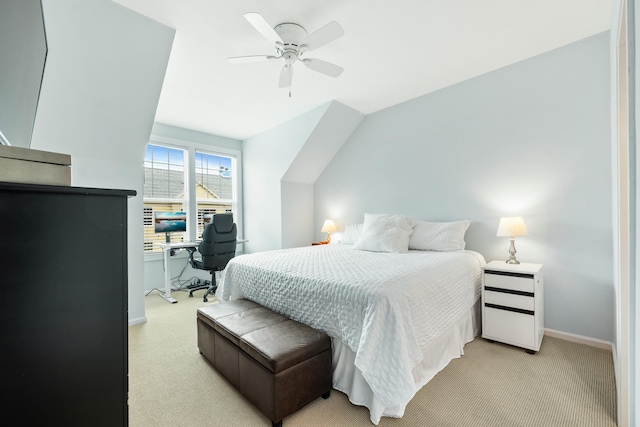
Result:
<point x="218" y="246"/>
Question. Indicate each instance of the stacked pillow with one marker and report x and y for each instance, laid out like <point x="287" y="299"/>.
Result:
<point x="399" y="233"/>
<point x="385" y="233"/>
<point x="438" y="236"/>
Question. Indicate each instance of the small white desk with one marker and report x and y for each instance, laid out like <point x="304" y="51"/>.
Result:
<point x="166" y="249"/>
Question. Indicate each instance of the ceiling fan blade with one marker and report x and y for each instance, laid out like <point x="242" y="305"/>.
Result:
<point x="324" y="35"/>
<point x="263" y="27"/>
<point x="252" y="58"/>
<point x="323" y="67"/>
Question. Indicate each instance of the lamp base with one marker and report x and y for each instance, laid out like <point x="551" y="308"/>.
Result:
<point x="512" y="253"/>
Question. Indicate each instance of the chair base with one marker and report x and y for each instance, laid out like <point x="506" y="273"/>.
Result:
<point x="210" y="290"/>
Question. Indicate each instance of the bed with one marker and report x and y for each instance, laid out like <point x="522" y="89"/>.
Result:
<point x="395" y="318"/>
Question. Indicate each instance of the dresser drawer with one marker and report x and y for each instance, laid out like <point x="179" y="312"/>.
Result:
<point x="509" y="300"/>
<point x="509" y="327"/>
<point x="522" y="283"/>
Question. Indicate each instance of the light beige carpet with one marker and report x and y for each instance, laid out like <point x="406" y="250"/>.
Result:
<point x="565" y="384"/>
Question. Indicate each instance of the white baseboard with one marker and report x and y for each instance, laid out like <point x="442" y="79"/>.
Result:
<point x="138" y="321"/>
<point x="580" y="339"/>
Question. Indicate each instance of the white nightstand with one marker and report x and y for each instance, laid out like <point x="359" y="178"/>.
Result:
<point x="513" y="304"/>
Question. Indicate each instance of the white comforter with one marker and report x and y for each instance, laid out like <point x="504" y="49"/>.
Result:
<point x="384" y="306"/>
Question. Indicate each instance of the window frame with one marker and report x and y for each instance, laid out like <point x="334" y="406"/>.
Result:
<point x="166" y="200"/>
<point x="191" y="202"/>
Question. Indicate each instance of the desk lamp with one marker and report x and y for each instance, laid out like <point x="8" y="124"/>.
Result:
<point x="511" y="227"/>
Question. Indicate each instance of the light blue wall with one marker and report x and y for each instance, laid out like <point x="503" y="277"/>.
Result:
<point x="281" y="165"/>
<point x="102" y="81"/>
<point x="531" y="139"/>
<point x="267" y="157"/>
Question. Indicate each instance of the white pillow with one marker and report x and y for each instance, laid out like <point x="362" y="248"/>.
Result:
<point x="351" y="234"/>
<point x="385" y="233"/>
<point x="438" y="236"/>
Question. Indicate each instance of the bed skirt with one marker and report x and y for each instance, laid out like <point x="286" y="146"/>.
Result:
<point x="450" y="345"/>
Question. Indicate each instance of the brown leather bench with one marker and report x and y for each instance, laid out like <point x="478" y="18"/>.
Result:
<point x="279" y="364"/>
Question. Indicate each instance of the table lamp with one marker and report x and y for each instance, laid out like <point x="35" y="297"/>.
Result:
<point x="328" y="227"/>
<point x="511" y="227"/>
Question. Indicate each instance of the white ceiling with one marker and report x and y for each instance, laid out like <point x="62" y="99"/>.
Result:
<point x="392" y="51"/>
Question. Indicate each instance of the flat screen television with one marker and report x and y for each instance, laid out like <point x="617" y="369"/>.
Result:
<point x="170" y="222"/>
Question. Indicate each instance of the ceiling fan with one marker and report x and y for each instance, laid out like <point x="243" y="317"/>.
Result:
<point x="291" y="43"/>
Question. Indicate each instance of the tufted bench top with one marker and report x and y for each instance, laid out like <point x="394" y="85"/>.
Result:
<point x="271" y="339"/>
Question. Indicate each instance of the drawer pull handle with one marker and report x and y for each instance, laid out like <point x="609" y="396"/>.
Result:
<point x="505" y="308"/>
<point x="509" y="273"/>
<point x="509" y="291"/>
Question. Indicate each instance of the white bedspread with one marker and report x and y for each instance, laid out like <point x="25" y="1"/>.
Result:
<point x="384" y="306"/>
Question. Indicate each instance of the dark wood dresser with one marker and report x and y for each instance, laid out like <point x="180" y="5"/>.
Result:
<point x="63" y="306"/>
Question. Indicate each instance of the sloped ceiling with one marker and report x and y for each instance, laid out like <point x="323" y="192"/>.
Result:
<point x="392" y="51"/>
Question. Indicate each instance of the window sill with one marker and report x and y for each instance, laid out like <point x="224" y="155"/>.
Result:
<point x="159" y="256"/>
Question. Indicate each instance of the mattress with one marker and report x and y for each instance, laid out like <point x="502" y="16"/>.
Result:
<point x="386" y="309"/>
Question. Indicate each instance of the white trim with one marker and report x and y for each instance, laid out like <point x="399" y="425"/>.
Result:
<point x="621" y="220"/>
<point x="579" y="339"/>
<point x="3" y="139"/>
<point x="616" y="366"/>
<point x="182" y="143"/>
<point x="137" y="321"/>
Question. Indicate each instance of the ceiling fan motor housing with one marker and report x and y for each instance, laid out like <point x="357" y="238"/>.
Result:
<point x="292" y="35"/>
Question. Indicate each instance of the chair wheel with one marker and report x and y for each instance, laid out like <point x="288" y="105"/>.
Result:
<point x="190" y="295"/>
<point x="205" y="299"/>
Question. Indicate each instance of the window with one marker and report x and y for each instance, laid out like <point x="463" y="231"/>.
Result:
<point x="214" y="189"/>
<point x="195" y="181"/>
<point x="164" y="190"/>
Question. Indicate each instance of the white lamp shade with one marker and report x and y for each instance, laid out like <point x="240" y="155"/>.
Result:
<point x="328" y="226"/>
<point x="511" y="226"/>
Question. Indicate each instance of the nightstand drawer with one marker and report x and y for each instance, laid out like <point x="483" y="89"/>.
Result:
<point x="522" y="283"/>
<point x="509" y="327"/>
<point x="509" y="300"/>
